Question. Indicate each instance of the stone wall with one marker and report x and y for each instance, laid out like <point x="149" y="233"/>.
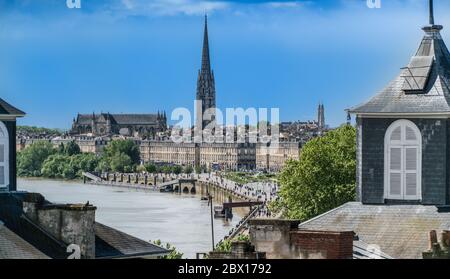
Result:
<point x="71" y="224"/>
<point x="272" y="237"/>
<point x="281" y="239"/>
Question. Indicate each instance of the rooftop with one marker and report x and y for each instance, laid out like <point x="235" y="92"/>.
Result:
<point x="14" y="247"/>
<point x="400" y="231"/>
<point x="422" y="87"/>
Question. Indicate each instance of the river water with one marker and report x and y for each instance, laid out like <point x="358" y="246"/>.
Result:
<point x="181" y="220"/>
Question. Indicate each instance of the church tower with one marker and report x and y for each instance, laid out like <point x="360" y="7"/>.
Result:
<point x="321" y="117"/>
<point x="206" y="89"/>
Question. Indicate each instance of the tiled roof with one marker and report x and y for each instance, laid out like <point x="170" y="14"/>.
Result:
<point x="121" y="119"/>
<point x="14" y="247"/>
<point x="431" y="88"/>
<point x="400" y="231"/>
<point x="111" y="243"/>
<point x="8" y="109"/>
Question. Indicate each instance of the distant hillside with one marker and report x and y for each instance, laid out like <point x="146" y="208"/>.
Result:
<point x="36" y="131"/>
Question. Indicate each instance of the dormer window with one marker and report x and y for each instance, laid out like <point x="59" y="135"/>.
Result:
<point x="417" y="73"/>
<point x="403" y="146"/>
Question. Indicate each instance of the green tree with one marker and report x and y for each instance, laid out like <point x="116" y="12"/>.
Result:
<point x="84" y="162"/>
<point x="127" y="147"/>
<point x="177" y="169"/>
<point x="188" y="169"/>
<point x="72" y="148"/>
<point x="30" y="160"/>
<point x="58" y="166"/>
<point x="174" y="254"/>
<point x="120" y="162"/>
<point x="323" y="178"/>
<point x="151" y="168"/>
<point x="198" y="169"/>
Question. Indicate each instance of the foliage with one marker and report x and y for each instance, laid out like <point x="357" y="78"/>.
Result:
<point x="225" y="246"/>
<point x="32" y="130"/>
<point x="174" y="254"/>
<point x="68" y="167"/>
<point x="188" y="169"/>
<point x="126" y="147"/>
<point x="198" y="170"/>
<point x="323" y="178"/>
<point x="119" y="162"/>
<point x="31" y="159"/>
<point x="120" y="156"/>
<point x="150" y="168"/>
<point x="244" y="177"/>
<point x="69" y="149"/>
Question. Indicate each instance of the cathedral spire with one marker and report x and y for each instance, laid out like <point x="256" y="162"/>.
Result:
<point x="206" y="64"/>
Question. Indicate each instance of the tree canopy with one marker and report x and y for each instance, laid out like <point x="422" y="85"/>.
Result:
<point x="30" y="160"/>
<point x="322" y="179"/>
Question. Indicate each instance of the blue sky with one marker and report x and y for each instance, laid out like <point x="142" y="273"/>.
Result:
<point x="141" y="56"/>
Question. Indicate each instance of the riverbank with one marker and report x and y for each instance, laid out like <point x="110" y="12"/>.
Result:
<point x="182" y="220"/>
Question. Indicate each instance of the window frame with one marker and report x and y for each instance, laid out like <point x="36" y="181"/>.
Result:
<point x="403" y="144"/>
<point x="4" y="139"/>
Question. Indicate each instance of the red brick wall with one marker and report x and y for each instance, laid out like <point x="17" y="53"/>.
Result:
<point x="329" y="245"/>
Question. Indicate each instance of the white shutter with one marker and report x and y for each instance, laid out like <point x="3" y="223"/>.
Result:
<point x="410" y="134"/>
<point x="395" y="173"/>
<point x="403" y="161"/>
<point x="411" y="177"/>
<point x="4" y="181"/>
<point x="397" y="134"/>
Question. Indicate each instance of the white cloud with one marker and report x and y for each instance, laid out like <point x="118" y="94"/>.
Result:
<point x="173" y="7"/>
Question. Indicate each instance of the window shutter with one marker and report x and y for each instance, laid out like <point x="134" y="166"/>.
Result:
<point x="397" y="134"/>
<point x="2" y="153"/>
<point x="2" y="166"/>
<point x="411" y="184"/>
<point x="396" y="184"/>
<point x="395" y="176"/>
<point x="396" y="159"/>
<point x="410" y="134"/>
<point x="411" y="171"/>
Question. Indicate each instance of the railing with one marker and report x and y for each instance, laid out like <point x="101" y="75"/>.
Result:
<point x="240" y="226"/>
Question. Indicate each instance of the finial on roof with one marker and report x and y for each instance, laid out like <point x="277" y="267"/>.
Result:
<point x="431" y="13"/>
<point x="432" y="27"/>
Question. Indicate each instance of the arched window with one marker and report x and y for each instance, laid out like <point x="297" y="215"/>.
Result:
<point x="4" y="156"/>
<point x="403" y="161"/>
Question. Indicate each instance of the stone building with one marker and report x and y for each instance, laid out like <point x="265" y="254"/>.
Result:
<point x="403" y="140"/>
<point x="219" y="156"/>
<point x="274" y="157"/>
<point x="106" y="124"/>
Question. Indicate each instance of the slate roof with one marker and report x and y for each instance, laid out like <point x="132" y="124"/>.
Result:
<point x="364" y="251"/>
<point x="400" y="231"/>
<point x="418" y="89"/>
<point x="111" y="243"/>
<point x="120" y="119"/>
<point x="14" y="247"/>
<point x="7" y="109"/>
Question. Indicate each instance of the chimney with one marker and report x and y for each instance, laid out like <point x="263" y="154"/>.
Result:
<point x="69" y="223"/>
<point x="322" y="244"/>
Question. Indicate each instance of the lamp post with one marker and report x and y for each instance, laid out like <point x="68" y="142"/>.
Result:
<point x="210" y="201"/>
